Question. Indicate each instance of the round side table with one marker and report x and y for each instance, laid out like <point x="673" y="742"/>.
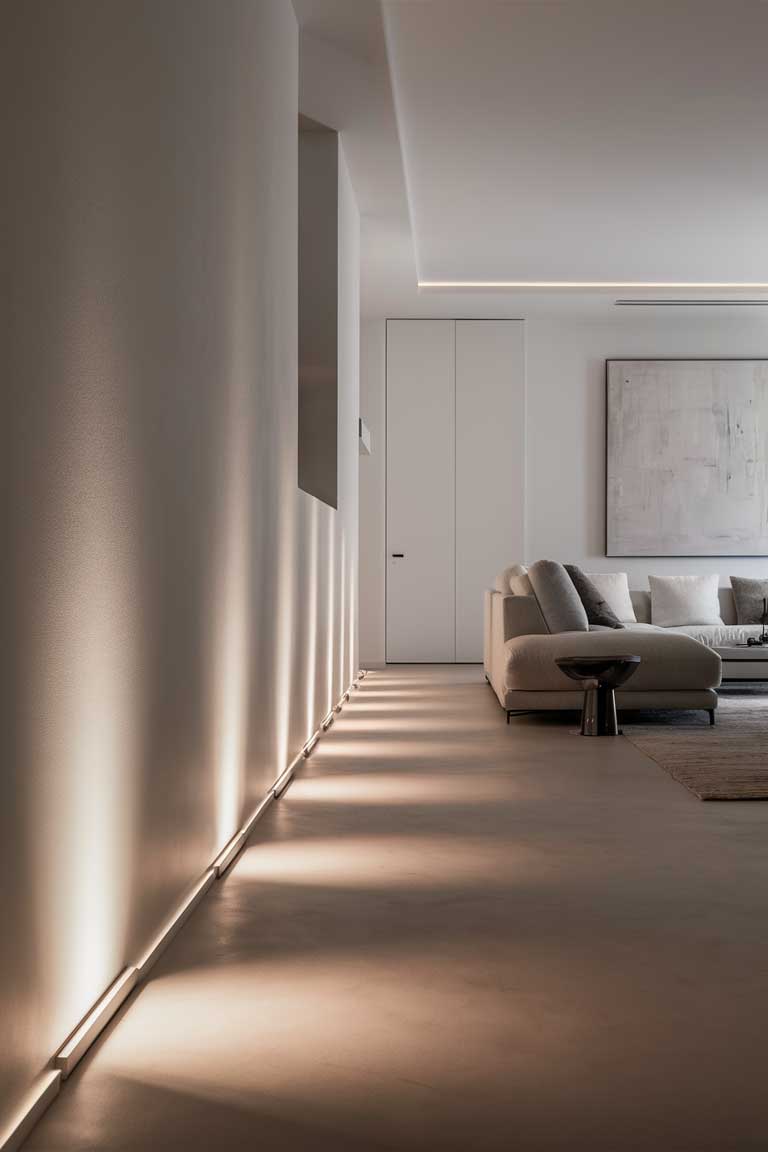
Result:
<point x="600" y="675"/>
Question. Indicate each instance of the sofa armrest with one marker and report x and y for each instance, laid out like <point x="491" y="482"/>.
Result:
<point x="506" y="617"/>
<point x="521" y="616"/>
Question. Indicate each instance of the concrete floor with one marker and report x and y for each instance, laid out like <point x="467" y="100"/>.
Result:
<point x="453" y="934"/>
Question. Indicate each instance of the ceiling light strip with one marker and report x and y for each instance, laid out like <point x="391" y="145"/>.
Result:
<point x="682" y="302"/>
<point x="597" y="285"/>
<point x="42" y="1093"/>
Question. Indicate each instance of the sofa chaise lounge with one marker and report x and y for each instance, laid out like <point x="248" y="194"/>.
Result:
<point x="679" y="668"/>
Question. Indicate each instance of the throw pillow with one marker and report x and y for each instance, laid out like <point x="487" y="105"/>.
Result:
<point x="748" y="596"/>
<point x="558" y="599"/>
<point x="614" y="588"/>
<point x="595" y="605"/>
<point x="680" y="600"/>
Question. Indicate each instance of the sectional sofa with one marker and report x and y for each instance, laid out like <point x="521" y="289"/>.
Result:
<point x="679" y="668"/>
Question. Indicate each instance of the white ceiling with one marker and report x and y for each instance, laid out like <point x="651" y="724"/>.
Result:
<point x="546" y="140"/>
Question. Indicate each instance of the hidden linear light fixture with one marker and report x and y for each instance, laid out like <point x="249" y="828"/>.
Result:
<point x="683" y="302"/>
<point x="42" y="1093"/>
<point x="596" y="285"/>
<point x="68" y="1057"/>
<point x="179" y="918"/>
<point x="47" y="1086"/>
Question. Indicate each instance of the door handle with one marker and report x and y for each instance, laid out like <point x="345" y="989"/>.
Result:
<point x="398" y="555"/>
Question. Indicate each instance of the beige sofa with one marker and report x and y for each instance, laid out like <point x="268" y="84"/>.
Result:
<point x="678" y="668"/>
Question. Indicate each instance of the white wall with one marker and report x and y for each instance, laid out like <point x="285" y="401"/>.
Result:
<point x="565" y="455"/>
<point x="176" y="615"/>
<point x="565" y="439"/>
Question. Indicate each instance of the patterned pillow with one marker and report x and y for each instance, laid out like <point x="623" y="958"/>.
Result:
<point x="749" y="597"/>
<point x="597" y="608"/>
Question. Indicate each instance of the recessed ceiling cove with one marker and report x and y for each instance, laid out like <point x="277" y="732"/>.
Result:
<point x="584" y="141"/>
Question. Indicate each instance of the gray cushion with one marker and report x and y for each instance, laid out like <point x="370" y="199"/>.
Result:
<point x="558" y="599"/>
<point x="596" y="607"/>
<point x="749" y="596"/>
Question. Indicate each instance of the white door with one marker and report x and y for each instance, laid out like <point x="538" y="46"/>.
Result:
<point x="490" y="467"/>
<point x="420" y="491"/>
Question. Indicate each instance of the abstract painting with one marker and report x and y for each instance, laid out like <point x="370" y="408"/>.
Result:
<point x="687" y="458"/>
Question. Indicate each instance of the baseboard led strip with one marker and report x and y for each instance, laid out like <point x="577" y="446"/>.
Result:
<point x="177" y="921"/>
<point x="47" y="1086"/>
<point x="232" y="850"/>
<point x="42" y="1093"/>
<point x="285" y="777"/>
<point x="99" y="1016"/>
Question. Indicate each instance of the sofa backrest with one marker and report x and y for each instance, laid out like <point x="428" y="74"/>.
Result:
<point x="641" y="599"/>
<point x="641" y="602"/>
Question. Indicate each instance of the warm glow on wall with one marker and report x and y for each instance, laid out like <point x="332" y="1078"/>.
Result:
<point x="285" y="595"/>
<point x="84" y="685"/>
<point x="330" y="634"/>
<point x="313" y="595"/>
<point x="352" y="622"/>
<point x="232" y="609"/>
<point x="342" y="653"/>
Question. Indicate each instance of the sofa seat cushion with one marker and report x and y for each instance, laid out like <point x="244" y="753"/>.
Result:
<point x="638" y="626"/>
<point x="718" y="635"/>
<point x="668" y="661"/>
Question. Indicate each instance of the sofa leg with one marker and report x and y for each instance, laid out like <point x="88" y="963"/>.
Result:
<point x="711" y="717"/>
<point x="508" y="715"/>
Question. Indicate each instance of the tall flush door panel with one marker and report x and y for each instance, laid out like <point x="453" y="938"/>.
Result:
<point x="420" y="491"/>
<point x="490" y="467"/>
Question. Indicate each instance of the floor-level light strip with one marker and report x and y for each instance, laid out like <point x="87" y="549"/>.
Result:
<point x="46" y="1087"/>
<point x="41" y="1094"/>
<point x="285" y="777"/>
<point x="257" y="814"/>
<point x="179" y="918"/>
<point x="99" y="1016"/>
<point x="229" y="853"/>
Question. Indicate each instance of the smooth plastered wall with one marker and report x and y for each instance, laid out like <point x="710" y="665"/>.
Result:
<point x="565" y="451"/>
<point x="176" y="615"/>
<point x="564" y="440"/>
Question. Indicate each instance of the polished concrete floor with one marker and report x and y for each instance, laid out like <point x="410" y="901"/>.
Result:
<point x="453" y="934"/>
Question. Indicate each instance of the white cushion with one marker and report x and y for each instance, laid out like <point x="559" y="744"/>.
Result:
<point x="677" y="601"/>
<point x="519" y="581"/>
<point x="614" y="589"/>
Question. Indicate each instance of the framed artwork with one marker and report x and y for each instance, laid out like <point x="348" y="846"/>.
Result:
<point x="687" y="457"/>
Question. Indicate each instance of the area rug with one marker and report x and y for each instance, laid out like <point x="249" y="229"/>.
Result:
<point x="727" y="762"/>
